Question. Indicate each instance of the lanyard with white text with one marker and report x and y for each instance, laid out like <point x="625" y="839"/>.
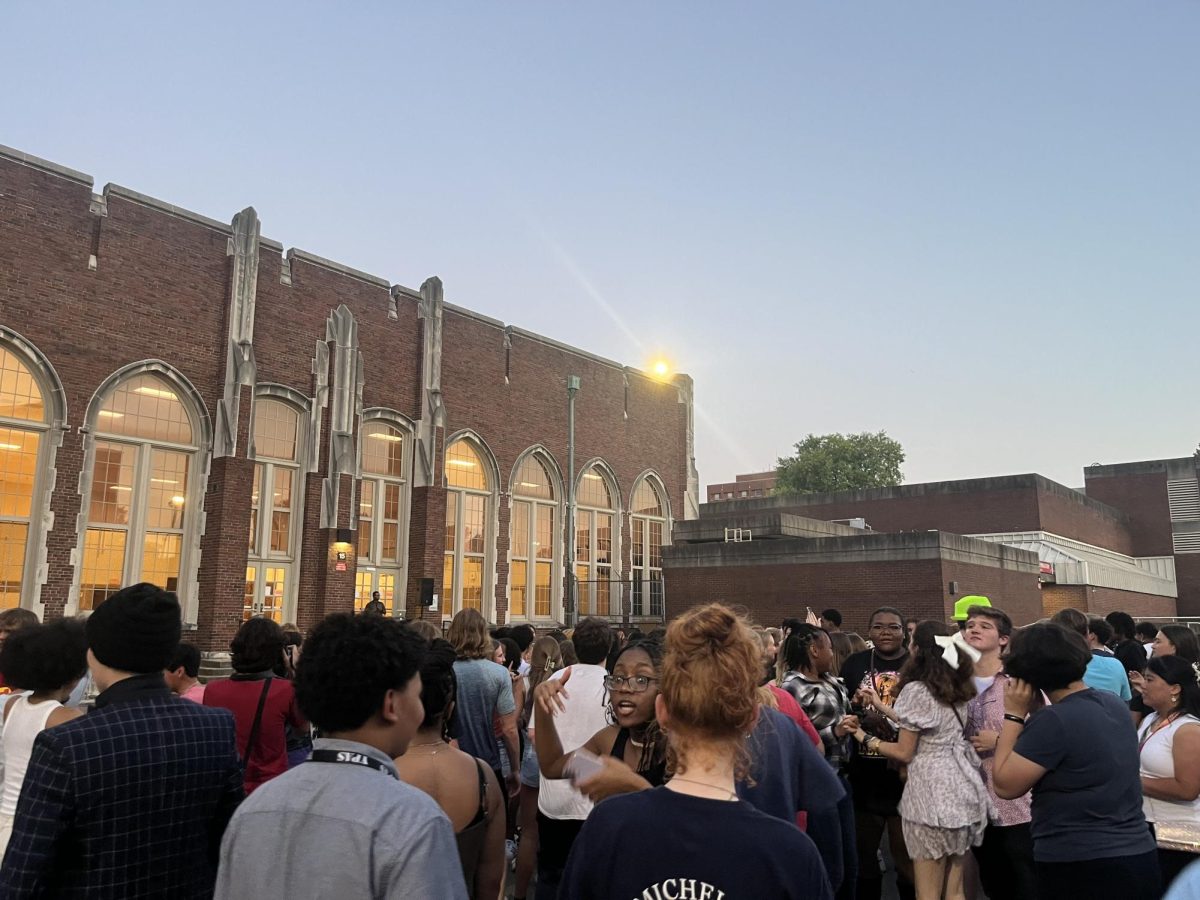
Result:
<point x="350" y="758"/>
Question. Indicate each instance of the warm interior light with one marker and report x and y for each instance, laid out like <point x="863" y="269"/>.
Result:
<point x="11" y="447"/>
<point x="593" y="476"/>
<point x="109" y="414"/>
<point x="119" y="487"/>
<point x="528" y="484"/>
<point x="177" y="500"/>
<point x="461" y="463"/>
<point x="164" y="481"/>
<point x="155" y="392"/>
<point x="384" y="436"/>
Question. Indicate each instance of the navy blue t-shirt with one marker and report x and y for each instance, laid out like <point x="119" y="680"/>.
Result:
<point x="660" y="844"/>
<point x="1088" y="805"/>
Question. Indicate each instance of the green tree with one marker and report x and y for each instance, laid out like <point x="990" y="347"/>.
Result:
<point x="824" y="463"/>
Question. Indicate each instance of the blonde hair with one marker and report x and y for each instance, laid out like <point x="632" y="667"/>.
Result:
<point x="544" y="660"/>
<point x="469" y="635"/>
<point x="427" y="630"/>
<point x="710" y="677"/>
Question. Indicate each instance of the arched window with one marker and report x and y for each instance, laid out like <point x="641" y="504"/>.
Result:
<point x="23" y="424"/>
<point x="382" y="508"/>
<point x="276" y="508"/>
<point x="144" y="461"/>
<point x="468" y="512"/>
<point x="594" y="550"/>
<point x="532" y="538"/>
<point x="649" y="533"/>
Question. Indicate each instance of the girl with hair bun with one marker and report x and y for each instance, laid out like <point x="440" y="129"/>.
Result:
<point x="944" y="809"/>
<point x="692" y="837"/>
<point x="1169" y="742"/>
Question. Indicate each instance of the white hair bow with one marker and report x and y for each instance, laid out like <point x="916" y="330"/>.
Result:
<point x="951" y="645"/>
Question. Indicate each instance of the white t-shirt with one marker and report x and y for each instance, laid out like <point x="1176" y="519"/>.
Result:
<point x="584" y="716"/>
<point x="1158" y="761"/>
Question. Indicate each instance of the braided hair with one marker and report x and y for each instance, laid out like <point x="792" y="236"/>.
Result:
<point x="654" y="749"/>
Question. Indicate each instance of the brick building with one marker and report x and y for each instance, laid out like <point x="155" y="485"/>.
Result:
<point x="181" y="401"/>
<point x="756" y="484"/>
<point x="1079" y="550"/>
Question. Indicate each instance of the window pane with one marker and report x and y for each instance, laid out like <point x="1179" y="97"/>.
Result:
<point x="533" y="480"/>
<point x="273" y="593"/>
<point x="160" y="560"/>
<point x="545" y="532"/>
<point x="145" y="407"/>
<point x="520" y="587"/>
<point x="583" y="538"/>
<point x="583" y="590"/>
<point x="391" y="501"/>
<point x="281" y="488"/>
<point x="448" y="583"/>
<point x="646" y="501"/>
<point x="603" y="538"/>
<point x="391" y="541"/>
<point x="275" y="427"/>
<point x="254" y="495"/>
<point x="656" y="593"/>
<point x="112" y="484"/>
<point x="103" y="566"/>
<point x="473" y="522"/>
<point x="366" y="514"/>
<point x="20" y="396"/>
<point x="168" y="489"/>
<point x="519" y="529"/>
<point x="18" y="465"/>
<point x="451" y="518"/>
<point x="593" y="490"/>
<point x="248" y="596"/>
<point x="639" y="539"/>
<point x="542" y="577"/>
<point x="386" y="585"/>
<point x="383" y="450"/>
<point x="637" y="595"/>
<point x="365" y="533"/>
<point x="603" y="591"/>
<point x="281" y="528"/>
<point x="12" y="562"/>
<point x="472" y="589"/>
<point x="656" y="544"/>
<point x="363" y="585"/>
<point x="464" y="467"/>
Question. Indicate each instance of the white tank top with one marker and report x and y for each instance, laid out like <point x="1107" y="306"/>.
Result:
<point x="1158" y="761"/>
<point x="24" y="721"/>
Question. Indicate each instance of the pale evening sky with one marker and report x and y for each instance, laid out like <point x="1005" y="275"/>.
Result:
<point x="975" y="225"/>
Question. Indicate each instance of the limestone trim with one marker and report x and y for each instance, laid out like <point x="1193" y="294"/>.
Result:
<point x="36" y="162"/>
<point x="433" y="413"/>
<point x="341" y="330"/>
<point x="240" y="366"/>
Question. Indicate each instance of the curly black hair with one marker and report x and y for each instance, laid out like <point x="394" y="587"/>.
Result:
<point x="439" y="685"/>
<point x="45" y="657"/>
<point x="795" y="646"/>
<point x="349" y="663"/>
<point x="257" y="646"/>
<point x="1047" y="655"/>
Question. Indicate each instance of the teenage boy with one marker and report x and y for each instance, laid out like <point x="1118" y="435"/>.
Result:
<point x="1006" y="857"/>
<point x="343" y="824"/>
<point x="876" y="786"/>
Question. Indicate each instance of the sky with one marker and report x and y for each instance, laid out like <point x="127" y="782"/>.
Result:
<point x="973" y="225"/>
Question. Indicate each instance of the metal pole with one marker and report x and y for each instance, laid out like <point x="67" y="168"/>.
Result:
<point x="570" y="613"/>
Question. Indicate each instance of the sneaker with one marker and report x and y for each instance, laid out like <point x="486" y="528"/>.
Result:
<point x="510" y="851"/>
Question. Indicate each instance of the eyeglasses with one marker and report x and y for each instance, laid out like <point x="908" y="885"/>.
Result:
<point x="636" y="684"/>
<point x="896" y="629"/>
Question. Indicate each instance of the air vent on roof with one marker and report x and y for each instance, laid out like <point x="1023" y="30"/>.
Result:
<point x="1183" y="497"/>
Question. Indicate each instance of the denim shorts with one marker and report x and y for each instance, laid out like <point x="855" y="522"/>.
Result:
<point x="529" y="767"/>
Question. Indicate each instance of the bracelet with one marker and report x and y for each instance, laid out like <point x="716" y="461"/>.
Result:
<point x="1009" y="717"/>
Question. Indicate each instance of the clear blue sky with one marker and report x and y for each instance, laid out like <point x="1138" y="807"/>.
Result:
<point x="974" y="225"/>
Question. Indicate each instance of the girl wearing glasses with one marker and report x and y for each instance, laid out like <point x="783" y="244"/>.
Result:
<point x="632" y="749"/>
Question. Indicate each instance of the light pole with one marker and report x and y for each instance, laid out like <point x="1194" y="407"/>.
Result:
<point x="572" y="585"/>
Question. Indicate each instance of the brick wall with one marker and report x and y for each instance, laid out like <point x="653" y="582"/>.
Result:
<point x="161" y="289"/>
<point x="1142" y="497"/>
<point x="1014" y="592"/>
<point x="1187" y="575"/>
<point x="1098" y="601"/>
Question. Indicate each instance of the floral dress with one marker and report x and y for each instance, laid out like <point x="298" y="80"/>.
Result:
<point x="945" y="806"/>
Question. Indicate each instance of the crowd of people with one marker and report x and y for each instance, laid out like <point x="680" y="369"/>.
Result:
<point x="709" y="759"/>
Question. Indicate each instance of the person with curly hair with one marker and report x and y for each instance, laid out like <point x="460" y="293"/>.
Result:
<point x="944" y="808"/>
<point x="45" y="661"/>
<point x="343" y="824"/>
<point x="262" y="703"/>
<point x="693" y="837"/>
<point x="463" y="786"/>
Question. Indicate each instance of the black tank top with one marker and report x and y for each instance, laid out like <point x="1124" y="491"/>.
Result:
<point x="656" y="774"/>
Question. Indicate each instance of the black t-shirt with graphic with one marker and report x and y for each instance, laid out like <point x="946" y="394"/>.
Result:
<point x="876" y="783"/>
<point x="660" y="844"/>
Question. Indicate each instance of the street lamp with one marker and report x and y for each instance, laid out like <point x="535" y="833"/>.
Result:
<point x="572" y="585"/>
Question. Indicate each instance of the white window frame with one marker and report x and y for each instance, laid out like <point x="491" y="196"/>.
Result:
<point x="374" y="564"/>
<point x="642" y="573"/>
<point x="591" y="512"/>
<point x="558" y="507"/>
<point x="487" y="604"/>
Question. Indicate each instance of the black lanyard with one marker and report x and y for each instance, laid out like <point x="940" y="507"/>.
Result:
<point x="351" y="758"/>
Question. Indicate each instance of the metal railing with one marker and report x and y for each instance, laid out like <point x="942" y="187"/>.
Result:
<point x="622" y="601"/>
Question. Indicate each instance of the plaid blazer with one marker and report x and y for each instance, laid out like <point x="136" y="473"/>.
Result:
<point x="129" y="801"/>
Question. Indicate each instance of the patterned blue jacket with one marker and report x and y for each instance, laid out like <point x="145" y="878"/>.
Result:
<point x="129" y="801"/>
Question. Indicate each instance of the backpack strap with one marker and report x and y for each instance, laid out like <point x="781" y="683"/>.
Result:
<point x="254" y="728"/>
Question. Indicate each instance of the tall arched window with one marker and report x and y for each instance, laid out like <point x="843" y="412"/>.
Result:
<point x="531" y="539"/>
<point x="468" y="511"/>
<point x="23" y="424"/>
<point x="382" y="504"/>
<point x="276" y="504"/>
<point x="143" y="466"/>
<point x="649" y="534"/>
<point x="594" y="551"/>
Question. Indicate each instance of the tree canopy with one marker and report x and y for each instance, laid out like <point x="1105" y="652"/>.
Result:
<point x="824" y="463"/>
